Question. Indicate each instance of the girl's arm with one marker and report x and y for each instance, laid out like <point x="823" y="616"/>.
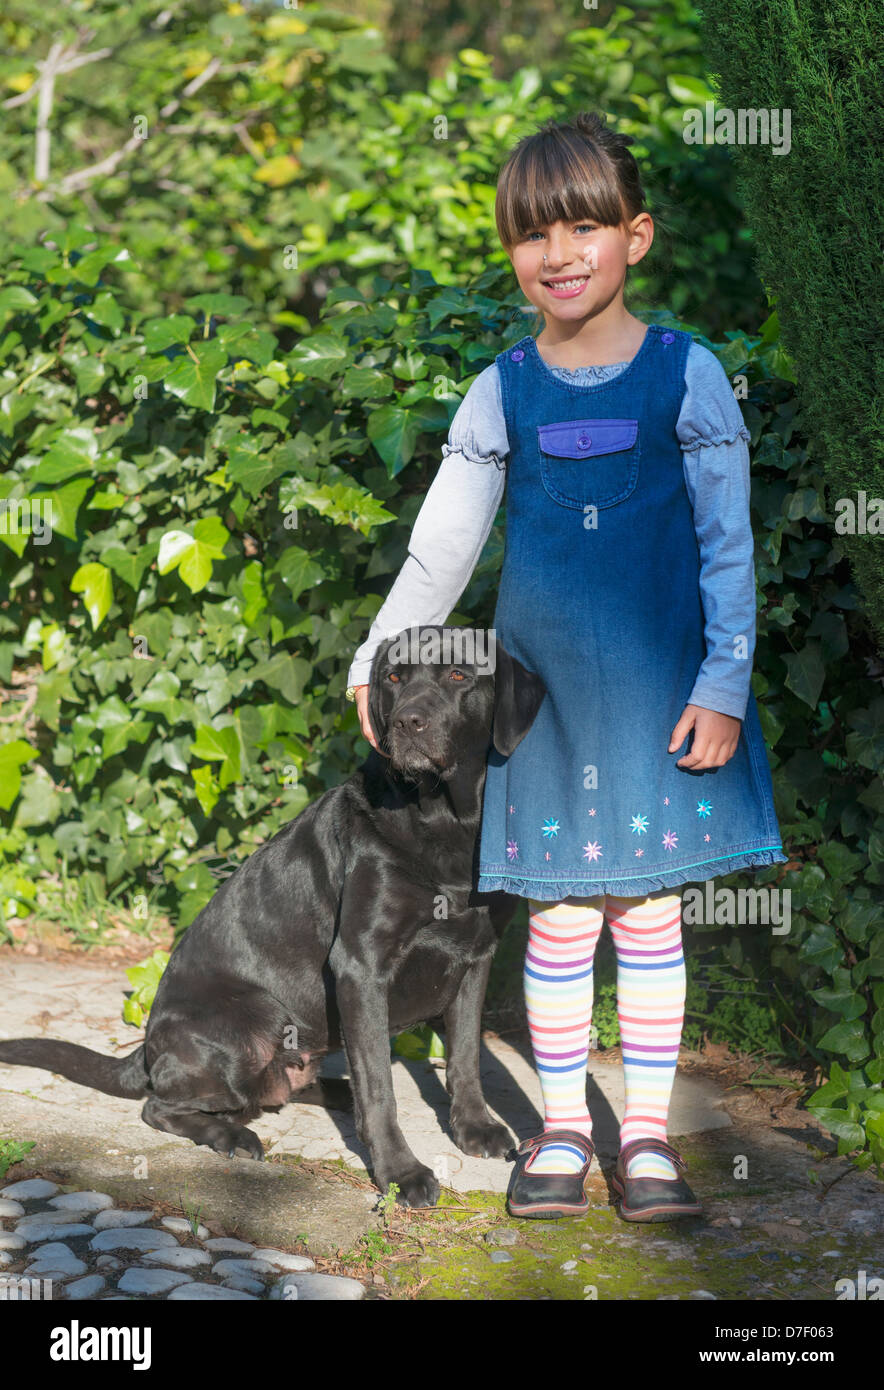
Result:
<point x="452" y="525"/>
<point x="714" y="443"/>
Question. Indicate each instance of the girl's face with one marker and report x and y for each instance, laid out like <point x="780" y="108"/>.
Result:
<point x="585" y="266"/>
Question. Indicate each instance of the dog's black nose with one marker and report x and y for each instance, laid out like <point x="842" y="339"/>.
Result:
<point x="415" y="721"/>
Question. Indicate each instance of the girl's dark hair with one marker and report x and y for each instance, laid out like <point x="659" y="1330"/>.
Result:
<point x="565" y="171"/>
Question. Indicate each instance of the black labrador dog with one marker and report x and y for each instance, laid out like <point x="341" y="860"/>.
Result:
<point x="356" y="920"/>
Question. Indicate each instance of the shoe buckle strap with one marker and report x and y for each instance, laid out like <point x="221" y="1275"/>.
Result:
<point x="658" y="1146"/>
<point x="558" y="1136"/>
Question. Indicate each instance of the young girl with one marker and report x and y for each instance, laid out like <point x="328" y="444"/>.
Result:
<point x="628" y="586"/>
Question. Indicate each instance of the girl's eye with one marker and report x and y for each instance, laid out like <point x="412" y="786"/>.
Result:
<point x="578" y="227"/>
<point x="457" y="676"/>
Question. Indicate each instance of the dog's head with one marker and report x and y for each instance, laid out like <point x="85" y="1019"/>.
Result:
<point x="439" y="695"/>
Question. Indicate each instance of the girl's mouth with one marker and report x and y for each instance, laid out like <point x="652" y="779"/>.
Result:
<point x="566" y="288"/>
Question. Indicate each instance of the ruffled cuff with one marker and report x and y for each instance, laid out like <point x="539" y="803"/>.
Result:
<point x="697" y="441"/>
<point x="473" y="455"/>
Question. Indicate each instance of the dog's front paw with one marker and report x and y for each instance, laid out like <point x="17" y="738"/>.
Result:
<point x="417" y="1188"/>
<point x="482" y="1139"/>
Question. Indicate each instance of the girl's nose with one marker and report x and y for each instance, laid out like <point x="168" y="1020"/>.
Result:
<point x="558" y="250"/>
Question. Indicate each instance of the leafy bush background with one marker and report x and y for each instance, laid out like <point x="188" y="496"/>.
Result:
<point x="234" y="481"/>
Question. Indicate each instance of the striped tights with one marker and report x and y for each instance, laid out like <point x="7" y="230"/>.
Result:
<point x="650" y="1008"/>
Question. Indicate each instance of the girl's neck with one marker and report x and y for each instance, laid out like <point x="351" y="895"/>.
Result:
<point x="613" y="336"/>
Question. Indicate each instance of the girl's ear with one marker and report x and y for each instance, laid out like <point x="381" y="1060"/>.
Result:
<point x="518" y="695"/>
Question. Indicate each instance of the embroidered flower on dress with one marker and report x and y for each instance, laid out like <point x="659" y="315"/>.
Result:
<point x="550" y="828"/>
<point x="666" y="801"/>
<point x="670" y="839"/>
<point x="512" y="809"/>
<point x="591" y="850"/>
<point x="639" y="825"/>
<point x="639" y="853"/>
<point x="707" y="837"/>
<point x="512" y="850"/>
<point x="591" y="811"/>
<point x="704" y="808"/>
<point x="546" y="856"/>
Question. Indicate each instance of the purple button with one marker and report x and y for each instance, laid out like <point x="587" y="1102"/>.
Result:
<point x="668" y="338"/>
<point x="584" y="441"/>
<point x="516" y="355"/>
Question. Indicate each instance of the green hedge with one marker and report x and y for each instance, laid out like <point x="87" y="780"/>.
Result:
<point x="817" y="214"/>
<point x="229" y="518"/>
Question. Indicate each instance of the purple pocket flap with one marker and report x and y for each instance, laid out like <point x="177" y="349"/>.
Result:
<point x="582" y="439"/>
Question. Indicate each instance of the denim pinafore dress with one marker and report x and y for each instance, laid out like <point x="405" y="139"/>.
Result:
<point x="600" y="595"/>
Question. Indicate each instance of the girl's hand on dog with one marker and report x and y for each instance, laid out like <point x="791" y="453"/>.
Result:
<point x="362" y="711"/>
<point x="715" y="738"/>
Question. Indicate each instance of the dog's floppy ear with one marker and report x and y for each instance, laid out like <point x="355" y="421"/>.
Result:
<point x="518" y="695"/>
<point x="375" y="718"/>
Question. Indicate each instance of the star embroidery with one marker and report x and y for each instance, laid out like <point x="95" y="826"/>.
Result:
<point x="704" y="808"/>
<point x="546" y="856"/>
<point x="666" y="801"/>
<point x="639" y="853"/>
<point x="591" y="811"/>
<point x="512" y="850"/>
<point x="707" y="837"/>
<point x="639" y="825"/>
<point x="550" y="828"/>
<point x="512" y="809"/>
<point x="591" y="851"/>
<point x="670" y="839"/>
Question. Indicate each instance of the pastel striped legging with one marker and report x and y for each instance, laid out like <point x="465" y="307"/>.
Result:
<point x="650" y="1008"/>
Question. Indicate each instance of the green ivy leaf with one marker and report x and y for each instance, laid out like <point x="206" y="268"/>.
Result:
<point x="840" y="1001"/>
<point x="323" y="355"/>
<point x="192" y="377"/>
<point x="218" y="304"/>
<point x="192" y="555"/>
<point x="94" y="582"/>
<point x="688" y="90"/>
<point x="73" y="451"/>
<point x="807" y="672"/>
<point x="219" y="745"/>
<point x="393" y="432"/>
<point x="160" y="696"/>
<point x="839" y="1124"/>
<point x="15" y="298"/>
<point x="848" y="1038"/>
<point x="297" y="570"/>
<point x="105" y="311"/>
<point x="13" y="756"/>
<point x="160" y="334"/>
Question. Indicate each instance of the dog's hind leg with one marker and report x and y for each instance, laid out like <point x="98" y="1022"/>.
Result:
<point x="218" y="1130"/>
<point x="209" y="1053"/>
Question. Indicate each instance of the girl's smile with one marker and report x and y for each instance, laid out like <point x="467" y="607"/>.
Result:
<point x="566" y="288"/>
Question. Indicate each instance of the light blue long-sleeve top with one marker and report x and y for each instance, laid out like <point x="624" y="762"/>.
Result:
<point x="459" y="509"/>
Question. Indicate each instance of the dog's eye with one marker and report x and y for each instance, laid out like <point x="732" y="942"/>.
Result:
<point x="392" y="676"/>
<point x="457" y="676"/>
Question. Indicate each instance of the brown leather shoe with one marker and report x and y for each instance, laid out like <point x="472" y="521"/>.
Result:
<point x="548" y="1195"/>
<point x="652" y="1199"/>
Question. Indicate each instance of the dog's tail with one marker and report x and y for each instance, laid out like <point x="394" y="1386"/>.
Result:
<point x="115" y="1076"/>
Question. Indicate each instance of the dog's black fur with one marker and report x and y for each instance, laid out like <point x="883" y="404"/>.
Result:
<point x="333" y="933"/>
